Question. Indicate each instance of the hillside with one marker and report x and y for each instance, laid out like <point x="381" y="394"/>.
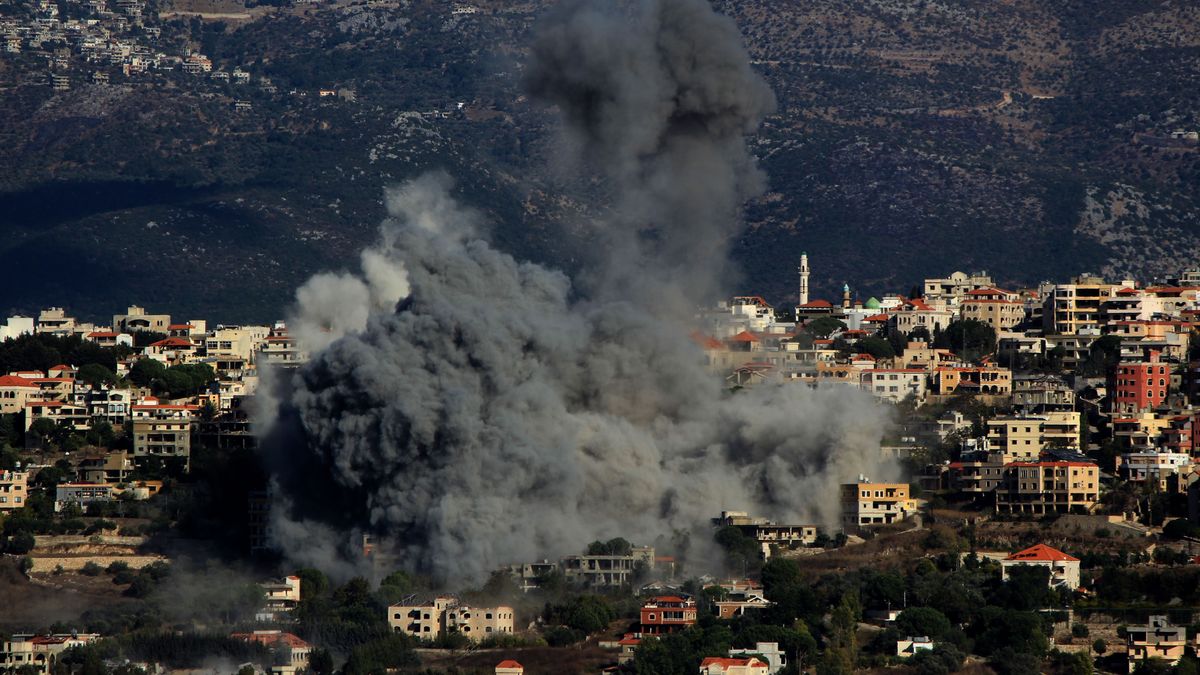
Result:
<point x="1027" y="137"/>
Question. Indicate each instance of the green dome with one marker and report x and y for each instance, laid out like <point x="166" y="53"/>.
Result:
<point x="872" y="303"/>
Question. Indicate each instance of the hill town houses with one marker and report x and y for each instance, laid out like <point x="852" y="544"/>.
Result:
<point x="1010" y="404"/>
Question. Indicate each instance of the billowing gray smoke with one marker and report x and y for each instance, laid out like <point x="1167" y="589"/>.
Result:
<point x="657" y="97"/>
<point x="470" y="411"/>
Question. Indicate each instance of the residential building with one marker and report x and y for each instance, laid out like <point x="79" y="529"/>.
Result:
<point x="896" y="385"/>
<point x="1075" y="307"/>
<point x="444" y="614"/>
<point x="54" y="321"/>
<point x="769" y="534"/>
<point x="1157" y="639"/>
<point x="1153" y="468"/>
<point x="997" y="308"/>
<point x="81" y="494"/>
<point x="16" y="326"/>
<point x="286" y="646"/>
<point x="667" y="614"/>
<point x="236" y="342"/>
<point x="978" y="381"/>
<point x="717" y="665"/>
<point x="911" y="645"/>
<point x="597" y="571"/>
<point x="769" y="652"/>
<point x="954" y="287"/>
<point x="16" y="392"/>
<point x="1042" y="393"/>
<point x="37" y="654"/>
<point x="135" y="318"/>
<point x="1038" y="488"/>
<point x="163" y="431"/>
<point x="280" y="597"/>
<point x="866" y="504"/>
<point x="509" y="667"/>
<point x="1138" y="387"/>
<point x="1063" y="569"/>
<point x="1028" y="436"/>
<point x="14" y="489"/>
<point x="280" y="349"/>
<point x="102" y="466"/>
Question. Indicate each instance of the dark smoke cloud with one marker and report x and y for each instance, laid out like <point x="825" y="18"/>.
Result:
<point x="657" y="98"/>
<point x="472" y="411"/>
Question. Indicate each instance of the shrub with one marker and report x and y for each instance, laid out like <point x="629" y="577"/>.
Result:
<point x="20" y="543"/>
<point x="1099" y="646"/>
<point x="1079" y="630"/>
<point x="117" y="566"/>
<point x="91" y="568"/>
<point x="561" y="636"/>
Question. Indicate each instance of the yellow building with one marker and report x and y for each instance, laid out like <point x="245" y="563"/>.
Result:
<point x="135" y="318"/>
<point x="14" y="489"/>
<point x="1070" y="308"/>
<point x="163" y="431"/>
<point x="1037" y="488"/>
<point x="1026" y="437"/>
<point x="445" y="615"/>
<point x="865" y="504"/>
<point x="997" y="308"/>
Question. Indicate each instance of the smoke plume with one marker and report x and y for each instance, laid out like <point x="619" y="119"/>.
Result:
<point x="472" y="410"/>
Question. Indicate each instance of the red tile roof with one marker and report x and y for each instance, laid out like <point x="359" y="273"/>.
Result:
<point x="1041" y="553"/>
<point x="705" y="341"/>
<point x="745" y="336"/>
<point x="14" y="381"/>
<point x="817" y="304"/>
<point x="725" y="662"/>
<point x="102" y="334"/>
<point x="173" y="342"/>
<point x="509" y="663"/>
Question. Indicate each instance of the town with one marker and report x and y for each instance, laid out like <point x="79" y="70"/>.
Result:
<point x="1047" y="522"/>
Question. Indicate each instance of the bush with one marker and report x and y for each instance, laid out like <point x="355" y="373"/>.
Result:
<point x="1099" y="646"/>
<point x="1079" y="630"/>
<point x="117" y="566"/>
<point x="91" y="568"/>
<point x="561" y="636"/>
<point x="125" y="576"/>
<point x="20" y="543"/>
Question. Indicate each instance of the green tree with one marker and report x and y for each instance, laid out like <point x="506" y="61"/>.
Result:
<point x="924" y="621"/>
<point x="95" y="374"/>
<point x="822" y="327"/>
<point x="875" y="346"/>
<point x="968" y="338"/>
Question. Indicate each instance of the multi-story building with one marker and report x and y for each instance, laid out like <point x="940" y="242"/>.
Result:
<point x="135" y="318"/>
<point x="896" y="384"/>
<point x="1063" y="569"/>
<point x="294" y="651"/>
<point x="1157" y="639"/>
<point x="956" y="286"/>
<point x="163" y="431"/>
<point x="767" y="533"/>
<point x="14" y="489"/>
<point x="667" y="614"/>
<point x="280" y="349"/>
<point x="597" y="571"/>
<point x="1043" y="393"/>
<point x="102" y="466"/>
<point x="81" y="494"/>
<point x="979" y="381"/>
<point x="1138" y="387"/>
<point x="446" y="615"/>
<point x="997" y="308"/>
<point x="54" y="321"/>
<point x="1027" y="436"/>
<point x="227" y="343"/>
<point x="866" y="504"/>
<point x="1153" y="468"/>
<point x="1038" y="488"/>
<point x="16" y="392"/>
<point x="280" y="597"/>
<point x="764" y="651"/>
<point x="1075" y="307"/>
<point x="37" y="654"/>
